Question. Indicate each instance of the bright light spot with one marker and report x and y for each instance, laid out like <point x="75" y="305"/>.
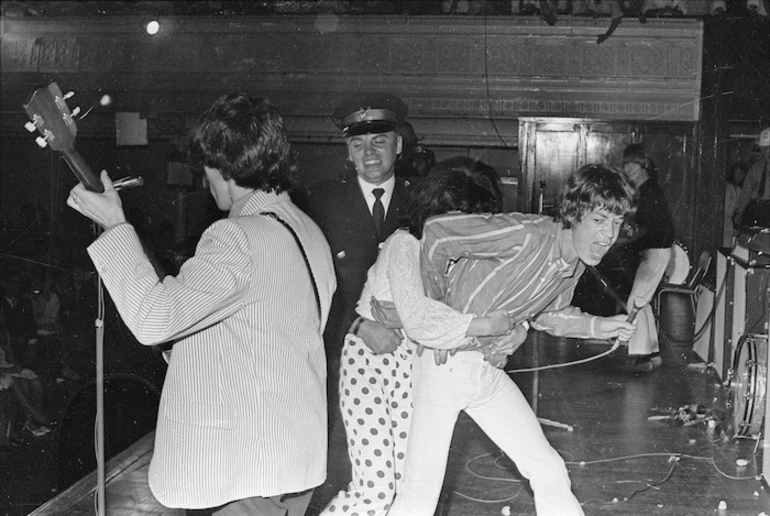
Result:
<point x="106" y="100"/>
<point x="153" y="27"/>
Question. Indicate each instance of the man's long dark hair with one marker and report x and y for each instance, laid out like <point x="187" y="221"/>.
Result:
<point x="460" y="184"/>
<point x="244" y="138"/>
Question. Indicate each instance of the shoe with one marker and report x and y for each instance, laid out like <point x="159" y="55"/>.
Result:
<point x="37" y="430"/>
<point x="642" y="364"/>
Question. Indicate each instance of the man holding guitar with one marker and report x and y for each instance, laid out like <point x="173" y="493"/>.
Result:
<point x="242" y="419"/>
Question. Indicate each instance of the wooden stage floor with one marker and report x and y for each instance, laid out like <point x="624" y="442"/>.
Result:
<point x="627" y="454"/>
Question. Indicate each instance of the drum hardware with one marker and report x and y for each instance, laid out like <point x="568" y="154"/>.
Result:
<point x="747" y="381"/>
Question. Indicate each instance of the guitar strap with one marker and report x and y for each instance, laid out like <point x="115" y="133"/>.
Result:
<point x="304" y="255"/>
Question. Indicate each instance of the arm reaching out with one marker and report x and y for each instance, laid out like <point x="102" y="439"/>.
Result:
<point x="648" y="275"/>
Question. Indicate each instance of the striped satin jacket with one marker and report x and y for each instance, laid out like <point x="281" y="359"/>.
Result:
<point x="507" y="261"/>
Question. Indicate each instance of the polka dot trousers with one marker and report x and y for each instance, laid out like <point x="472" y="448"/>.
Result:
<point x="376" y="404"/>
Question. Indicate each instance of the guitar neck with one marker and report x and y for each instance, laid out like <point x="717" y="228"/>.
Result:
<point x="82" y="171"/>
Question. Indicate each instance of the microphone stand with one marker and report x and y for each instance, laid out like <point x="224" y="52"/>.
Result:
<point x="536" y="350"/>
<point x="99" y="423"/>
<point x="120" y="184"/>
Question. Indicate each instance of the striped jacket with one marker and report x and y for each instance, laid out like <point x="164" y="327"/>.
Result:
<point x="507" y="261"/>
<point x="243" y="408"/>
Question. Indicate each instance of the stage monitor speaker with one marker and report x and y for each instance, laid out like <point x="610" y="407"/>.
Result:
<point x="747" y="326"/>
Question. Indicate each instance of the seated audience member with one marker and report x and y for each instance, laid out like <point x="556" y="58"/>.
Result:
<point x="17" y="318"/>
<point x="52" y="349"/>
<point x="28" y="392"/>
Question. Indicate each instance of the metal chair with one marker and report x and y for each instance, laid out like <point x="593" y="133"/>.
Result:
<point x="689" y="288"/>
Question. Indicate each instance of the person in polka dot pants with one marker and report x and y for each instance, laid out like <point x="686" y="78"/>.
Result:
<point x="375" y="380"/>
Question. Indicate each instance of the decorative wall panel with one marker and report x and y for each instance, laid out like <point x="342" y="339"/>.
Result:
<point x="446" y="68"/>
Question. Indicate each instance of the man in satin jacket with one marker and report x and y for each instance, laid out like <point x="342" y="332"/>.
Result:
<point x="242" y="420"/>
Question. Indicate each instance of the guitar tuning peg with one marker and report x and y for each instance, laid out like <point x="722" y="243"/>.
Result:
<point x="30" y="126"/>
<point x="76" y="111"/>
<point x="69" y="94"/>
<point x="42" y="142"/>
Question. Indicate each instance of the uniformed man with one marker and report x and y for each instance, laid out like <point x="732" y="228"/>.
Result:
<point x="358" y="213"/>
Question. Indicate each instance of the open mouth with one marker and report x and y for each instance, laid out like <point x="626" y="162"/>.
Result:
<point x="598" y="250"/>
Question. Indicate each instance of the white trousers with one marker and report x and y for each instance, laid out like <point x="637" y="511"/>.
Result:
<point x="466" y="382"/>
<point x="645" y="340"/>
<point x="376" y="405"/>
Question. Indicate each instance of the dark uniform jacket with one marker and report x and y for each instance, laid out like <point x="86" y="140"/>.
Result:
<point x="339" y="208"/>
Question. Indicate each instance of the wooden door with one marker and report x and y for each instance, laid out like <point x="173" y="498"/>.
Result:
<point x="551" y="149"/>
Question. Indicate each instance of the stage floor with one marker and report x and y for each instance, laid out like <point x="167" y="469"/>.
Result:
<point x="627" y="453"/>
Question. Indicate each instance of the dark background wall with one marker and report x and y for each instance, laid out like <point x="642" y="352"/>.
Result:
<point x="694" y="87"/>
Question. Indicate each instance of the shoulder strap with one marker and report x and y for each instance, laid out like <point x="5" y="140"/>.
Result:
<point x="304" y="255"/>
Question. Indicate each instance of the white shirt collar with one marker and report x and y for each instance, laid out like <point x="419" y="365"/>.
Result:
<point x="367" y="188"/>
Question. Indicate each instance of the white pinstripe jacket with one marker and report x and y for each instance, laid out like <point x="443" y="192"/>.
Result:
<point x="243" y="408"/>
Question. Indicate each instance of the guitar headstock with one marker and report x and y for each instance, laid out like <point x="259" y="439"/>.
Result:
<point x="50" y="115"/>
<point x="52" y="118"/>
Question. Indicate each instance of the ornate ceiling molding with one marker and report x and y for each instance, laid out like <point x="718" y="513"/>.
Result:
<point x="446" y="68"/>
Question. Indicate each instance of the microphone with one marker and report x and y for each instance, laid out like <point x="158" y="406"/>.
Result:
<point x="127" y="182"/>
<point x="638" y="305"/>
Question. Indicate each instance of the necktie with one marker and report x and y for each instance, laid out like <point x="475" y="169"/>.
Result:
<point x="378" y="211"/>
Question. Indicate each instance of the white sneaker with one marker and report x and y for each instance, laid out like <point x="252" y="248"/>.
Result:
<point x="37" y="430"/>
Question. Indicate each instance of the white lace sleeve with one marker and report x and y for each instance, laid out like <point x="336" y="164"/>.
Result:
<point x="425" y="320"/>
